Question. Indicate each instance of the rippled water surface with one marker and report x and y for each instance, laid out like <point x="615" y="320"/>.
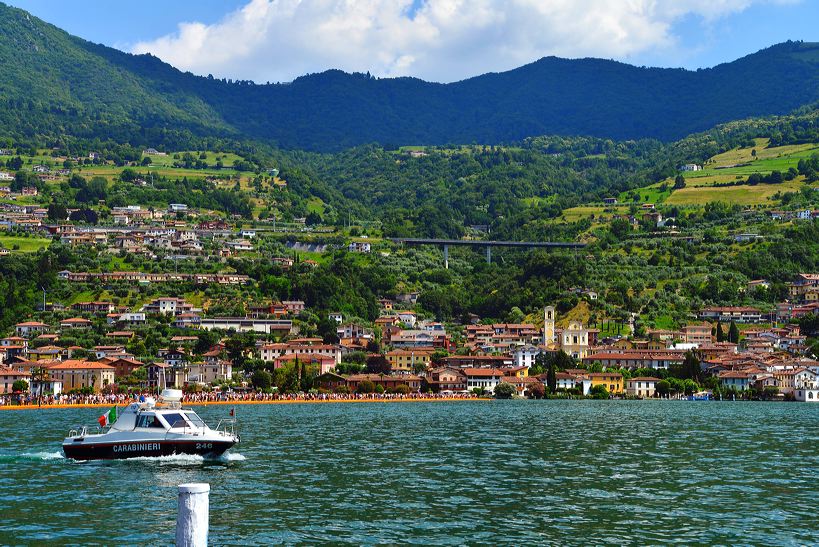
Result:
<point x="503" y="472"/>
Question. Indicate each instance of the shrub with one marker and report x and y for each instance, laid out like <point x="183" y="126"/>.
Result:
<point x="600" y="392"/>
<point x="536" y="391"/>
<point x="261" y="379"/>
<point x="504" y="390"/>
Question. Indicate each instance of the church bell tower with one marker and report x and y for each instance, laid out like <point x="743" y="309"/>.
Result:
<point x="549" y="325"/>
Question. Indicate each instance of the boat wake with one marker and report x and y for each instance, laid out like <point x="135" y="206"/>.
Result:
<point x="43" y="455"/>
<point x="175" y="459"/>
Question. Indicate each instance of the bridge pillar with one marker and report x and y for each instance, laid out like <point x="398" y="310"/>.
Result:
<point x="488" y="254"/>
<point x="446" y="257"/>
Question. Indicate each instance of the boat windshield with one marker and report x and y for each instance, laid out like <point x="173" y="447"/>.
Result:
<point x="148" y="420"/>
<point x="175" y="420"/>
<point x="195" y="419"/>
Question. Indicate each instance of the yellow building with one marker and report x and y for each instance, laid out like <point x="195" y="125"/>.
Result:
<point x="405" y="360"/>
<point x="612" y="380"/>
<point x="75" y="374"/>
<point x="574" y="340"/>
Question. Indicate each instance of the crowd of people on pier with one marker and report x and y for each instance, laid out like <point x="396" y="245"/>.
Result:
<point x="123" y="399"/>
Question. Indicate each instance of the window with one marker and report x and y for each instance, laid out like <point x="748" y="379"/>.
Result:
<point x="148" y="420"/>
<point x="175" y="420"/>
<point x="194" y="418"/>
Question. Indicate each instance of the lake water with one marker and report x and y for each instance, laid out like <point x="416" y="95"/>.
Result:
<point x="500" y="472"/>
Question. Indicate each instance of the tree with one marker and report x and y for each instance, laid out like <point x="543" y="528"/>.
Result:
<point x="127" y="175"/>
<point x="57" y="212"/>
<point x="562" y="360"/>
<point x="551" y="376"/>
<point x="89" y="216"/>
<point x="733" y="333"/>
<point x="599" y="391"/>
<point x="235" y="349"/>
<point x="663" y="387"/>
<point x="720" y="332"/>
<point x="690" y="367"/>
<point x="536" y="390"/>
<point x="365" y="386"/>
<point x="378" y="364"/>
<point x="679" y="182"/>
<point x="504" y="390"/>
<point x="620" y="228"/>
<point x="261" y="379"/>
<point x="19" y="385"/>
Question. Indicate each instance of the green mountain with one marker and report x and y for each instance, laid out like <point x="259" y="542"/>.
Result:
<point x="52" y="83"/>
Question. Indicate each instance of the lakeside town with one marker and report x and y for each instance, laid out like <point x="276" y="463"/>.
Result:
<point x="216" y="358"/>
<point x="163" y="302"/>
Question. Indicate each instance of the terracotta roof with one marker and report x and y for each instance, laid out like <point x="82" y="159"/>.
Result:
<point x="81" y="365"/>
<point x="484" y="372"/>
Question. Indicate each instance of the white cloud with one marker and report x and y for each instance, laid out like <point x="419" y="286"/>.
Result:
<point x="440" y="40"/>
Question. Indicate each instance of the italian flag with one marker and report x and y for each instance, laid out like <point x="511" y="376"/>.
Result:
<point x="108" y="418"/>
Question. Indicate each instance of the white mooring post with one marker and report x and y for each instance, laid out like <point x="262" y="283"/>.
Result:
<point x="192" y="520"/>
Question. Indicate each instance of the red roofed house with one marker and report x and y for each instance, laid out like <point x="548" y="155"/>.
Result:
<point x="75" y="374"/>
<point x="75" y="323"/>
<point x="30" y="327"/>
<point x="9" y="375"/>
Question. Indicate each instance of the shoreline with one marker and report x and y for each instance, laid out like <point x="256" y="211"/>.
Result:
<point x="235" y="403"/>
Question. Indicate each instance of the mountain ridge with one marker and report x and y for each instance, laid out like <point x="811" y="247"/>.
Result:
<point x="63" y="83"/>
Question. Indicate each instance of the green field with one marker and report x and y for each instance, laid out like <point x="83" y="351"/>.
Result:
<point x="649" y="194"/>
<point x="211" y="158"/>
<point x="729" y="167"/>
<point x="742" y="195"/>
<point x="24" y="244"/>
<point x="573" y="214"/>
<point x="315" y="205"/>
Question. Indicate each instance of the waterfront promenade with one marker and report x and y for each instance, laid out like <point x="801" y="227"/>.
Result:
<point x="203" y="399"/>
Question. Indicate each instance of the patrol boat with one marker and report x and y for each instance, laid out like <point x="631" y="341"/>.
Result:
<point x="151" y="429"/>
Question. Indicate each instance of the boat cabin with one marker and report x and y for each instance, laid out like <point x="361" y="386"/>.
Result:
<point x="140" y="416"/>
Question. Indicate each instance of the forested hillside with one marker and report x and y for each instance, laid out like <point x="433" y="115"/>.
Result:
<point x="52" y="83"/>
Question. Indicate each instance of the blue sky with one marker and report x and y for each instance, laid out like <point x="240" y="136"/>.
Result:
<point x="441" y="40"/>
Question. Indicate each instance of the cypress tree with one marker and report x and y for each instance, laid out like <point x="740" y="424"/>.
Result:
<point x="733" y="333"/>
<point x="551" y="377"/>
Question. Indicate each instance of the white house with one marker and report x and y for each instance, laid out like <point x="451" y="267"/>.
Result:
<point x="807" y="391"/>
<point x="30" y="327"/>
<point x="642" y="386"/>
<point x="564" y="380"/>
<point x="486" y="378"/>
<point x="524" y="356"/>
<point x="736" y="379"/>
<point x="407" y="317"/>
